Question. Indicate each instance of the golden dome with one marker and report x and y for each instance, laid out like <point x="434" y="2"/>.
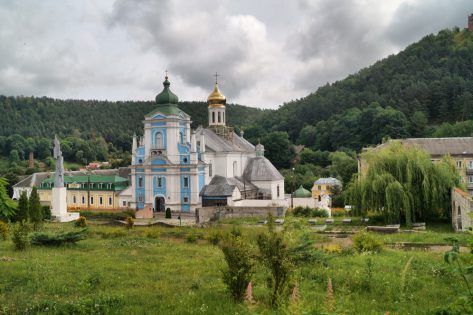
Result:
<point x="216" y="99"/>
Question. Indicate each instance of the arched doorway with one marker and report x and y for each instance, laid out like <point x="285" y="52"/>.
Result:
<point x="159" y="204"/>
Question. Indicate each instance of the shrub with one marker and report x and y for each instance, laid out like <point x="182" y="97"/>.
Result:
<point x="191" y="237"/>
<point x="215" y="237"/>
<point x="47" y="212"/>
<point x="333" y="249"/>
<point x="301" y="211"/>
<point x="151" y="233"/>
<point x="275" y="255"/>
<point x="108" y="215"/>
<point x="338" y="212"/>
<point x="319" y="213"/>
<point x="376" y="218"/>
<point x="56" y="239"/>
<point x="129" y="222"/>
<point x="19" y="235"/>
<point x="237" y="274"/>
<point x="364" y="242"/>
<point x="3" y="230"/>
<point x="81" y="222"/>
<point x="236" y="231"/>
<point x="168" y="213"/>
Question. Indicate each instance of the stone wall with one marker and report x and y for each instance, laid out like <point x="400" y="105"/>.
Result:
<point x="207" y="214"/>
<point x="462" y="205"/>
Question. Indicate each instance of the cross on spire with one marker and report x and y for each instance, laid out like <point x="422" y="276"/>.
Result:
<point x="216" y="77"/>
<point x="166" y="73"/>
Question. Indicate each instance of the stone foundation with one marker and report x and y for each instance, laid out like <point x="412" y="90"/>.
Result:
<point x="207" y="214"/>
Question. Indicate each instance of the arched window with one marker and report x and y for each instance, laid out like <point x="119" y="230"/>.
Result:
<point x="159" y="140"/>
<point x="277" y="190"/>
<point x="219" y="117"/>
<point x="235" y="168"/>
<point x="213" y="117"/>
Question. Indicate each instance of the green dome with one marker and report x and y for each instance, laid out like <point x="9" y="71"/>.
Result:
<point x="166" y="96"/>
<point x="301" y="192"/>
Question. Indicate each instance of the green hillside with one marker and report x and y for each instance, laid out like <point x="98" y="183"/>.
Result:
<point x="428" y="83"/>
<point x="114" y="121"/>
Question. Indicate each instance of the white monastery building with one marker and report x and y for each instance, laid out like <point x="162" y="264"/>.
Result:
<point x="181" y="169"/>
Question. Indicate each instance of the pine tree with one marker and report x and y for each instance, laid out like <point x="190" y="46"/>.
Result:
<point x="7" y="206"/>
<point x="22" y="213"/>
<point x="35" y="210"/>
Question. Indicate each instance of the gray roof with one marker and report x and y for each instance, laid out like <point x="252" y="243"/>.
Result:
<point x="437" y="146"/>
<point x="36" y="178"/>
<point x="328" y="181"/>
<point x="260" y="169"/>
<point x="442" y="146"/>
<point x="218" y="186"/>
<point x="215" y="143"/>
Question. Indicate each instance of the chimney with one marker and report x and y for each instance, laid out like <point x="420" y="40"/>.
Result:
<point x="31" y="160"/>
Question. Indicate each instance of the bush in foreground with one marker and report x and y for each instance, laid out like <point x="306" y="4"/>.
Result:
<point x="239" y="268"/>
<point x="20" y="236"/>
<point x="81" y="222"/>
<point x="364" y="242"/>
<point x="3" y="230"/>
<point x="57" y="239"/>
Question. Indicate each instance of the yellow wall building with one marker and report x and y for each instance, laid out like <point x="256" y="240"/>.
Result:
<point x="324" y="186"/>
<point x="95" y="192"/>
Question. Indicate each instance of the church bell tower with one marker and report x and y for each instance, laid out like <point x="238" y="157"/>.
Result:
<point x="216" y="101"/>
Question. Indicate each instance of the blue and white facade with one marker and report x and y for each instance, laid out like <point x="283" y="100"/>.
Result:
<point x="166" y="171"/>
<point x="174" y="167"/>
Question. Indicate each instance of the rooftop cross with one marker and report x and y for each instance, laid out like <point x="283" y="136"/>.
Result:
<point x="166" y="73"/>
<point x="216" y="78"/>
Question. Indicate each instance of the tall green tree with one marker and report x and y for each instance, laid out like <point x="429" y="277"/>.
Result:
<point x="35" y="210"/>
<point x="403" y="183"/>
<point x="22" y="213"/>
<point x="279" y="149"/>
<point x="7" y="206"/>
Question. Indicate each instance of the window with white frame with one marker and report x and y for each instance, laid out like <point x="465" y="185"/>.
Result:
<point x="74" y="199"/>
<point x="159" y="182"/>
<point x="83" y="200"/>
<point x="91" y="200"/>
<point x="470" y="179"/>
<point x="110" y="201"/>
<point x="186" y="199"/>
<point x="459" y="164"/>
<point x="140" y="181"/>
<point x="186" y="182"/>
<point x="100" y="200"/>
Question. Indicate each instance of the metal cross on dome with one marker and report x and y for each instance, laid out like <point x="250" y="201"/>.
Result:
<point x="166" y="72"/>
<point x="216" y="77"/>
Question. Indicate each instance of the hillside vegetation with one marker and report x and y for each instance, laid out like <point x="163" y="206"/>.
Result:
<point x="114" y="121"/>
<point x="408" y="94"/>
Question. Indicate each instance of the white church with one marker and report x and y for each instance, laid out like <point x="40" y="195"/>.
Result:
<point x="182" y="169"/>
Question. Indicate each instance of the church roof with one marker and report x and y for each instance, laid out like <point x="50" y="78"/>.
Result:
<point x="301" y="192"/>
<point x="218" y="186"/>
<point x="215" y="143"/>
<point x="261" y="169"/>
<point x="167" y="101"/>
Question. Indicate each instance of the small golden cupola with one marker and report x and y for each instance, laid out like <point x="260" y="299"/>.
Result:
<point x="216" y="101"/>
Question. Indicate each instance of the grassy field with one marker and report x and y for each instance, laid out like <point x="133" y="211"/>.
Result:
<point x="156" y="271"/>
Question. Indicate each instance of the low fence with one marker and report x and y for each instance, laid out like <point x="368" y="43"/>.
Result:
<point x="207" y="214"/>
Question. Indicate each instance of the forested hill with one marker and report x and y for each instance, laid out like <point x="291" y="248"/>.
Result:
<point x="114" y="121"/>
<point x="430" y="82"/>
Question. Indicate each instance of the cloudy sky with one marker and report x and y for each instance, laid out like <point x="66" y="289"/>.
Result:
<point x="267" y="52"/>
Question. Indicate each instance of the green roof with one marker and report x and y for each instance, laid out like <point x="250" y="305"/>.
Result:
<point x="93" y="179"/>
<point x="167" y="101"/>
<point x="301" y="192"/>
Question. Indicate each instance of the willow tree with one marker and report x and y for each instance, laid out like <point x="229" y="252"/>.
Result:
<point x="403" y="182"/>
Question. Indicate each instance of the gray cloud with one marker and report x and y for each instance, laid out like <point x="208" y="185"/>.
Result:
<point x="267" y="52"/>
